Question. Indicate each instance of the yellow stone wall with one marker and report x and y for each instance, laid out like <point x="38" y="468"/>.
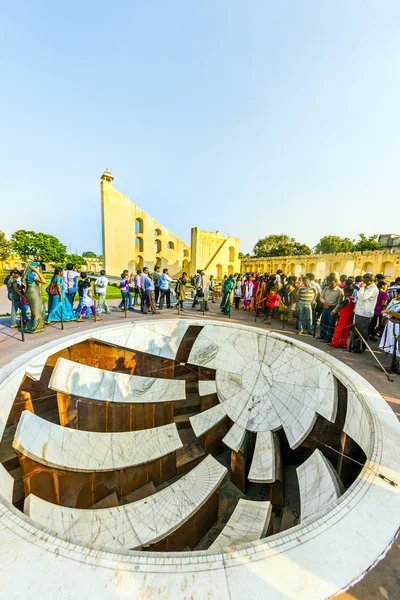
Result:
<point x="93" y="265"/>
<point x="215" y="253"/>
<point x="124" y="223"/>
<point x="351" y="263"/>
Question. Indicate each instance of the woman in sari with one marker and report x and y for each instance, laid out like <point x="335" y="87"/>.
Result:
<point x="391" y="334"/>
<point x="180" y="290"/>
<point x="58" y="301"/>
<point x="33" y="280"/>
<point x="227" y="290"/>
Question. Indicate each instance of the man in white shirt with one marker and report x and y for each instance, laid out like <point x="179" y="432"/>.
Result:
<point x="143" y="277"/>
<point x="364" y="311"/>
<point x="164" y="283"/>
<point x="70" y="277"/>
<point x="101" y="284"/>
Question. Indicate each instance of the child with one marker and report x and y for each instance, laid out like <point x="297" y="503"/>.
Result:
<point x="270" y="301"/>
<point x="83" y="280"/>
<point x="345" y="319"/>
<point x="87" y="301"/>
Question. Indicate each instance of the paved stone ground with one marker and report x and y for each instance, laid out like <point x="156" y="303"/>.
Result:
<point x="382" y="581"/>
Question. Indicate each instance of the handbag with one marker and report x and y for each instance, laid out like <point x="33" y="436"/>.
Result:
<point x="200" y="292"/>
<point x="52" y="288"/>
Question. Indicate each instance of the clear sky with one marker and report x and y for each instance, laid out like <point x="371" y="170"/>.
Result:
<point x="248" y="117"/>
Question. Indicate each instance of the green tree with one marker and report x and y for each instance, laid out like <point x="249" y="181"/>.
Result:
<point x="75" y="259"/>
<point x="367" y="243"/>
<point x="240" y="255"/>
<point x="331" y="244"/>
<point x="89" y="254"/>
<point x="29" y="244"/>
<point x="279" y="245"/>
<point x="5" y="246"/>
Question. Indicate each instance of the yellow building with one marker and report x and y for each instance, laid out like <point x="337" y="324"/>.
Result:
<point x="347" y="263"/>
<point x="132" y="239"/>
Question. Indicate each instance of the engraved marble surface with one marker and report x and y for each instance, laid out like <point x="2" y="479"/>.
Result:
<point x="76" y="450"/>
<point x="136" y="524"/>
<point x="207" y="387"/>
<point x="262" y="469"/>
<point x="6" y="484"/>
<point x="265" y="383"/>
<point x="39" y="563"/>
<point x="161" y="338"/>
<point x="248" y="522"/>
<point x="318" y="485"/>
<point x="97" y="384"/>
<point x="205" y="420"/>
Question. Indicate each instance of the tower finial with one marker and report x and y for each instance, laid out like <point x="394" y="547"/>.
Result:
<point x="107" y="176"/>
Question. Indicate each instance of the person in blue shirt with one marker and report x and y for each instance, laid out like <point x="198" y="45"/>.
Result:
<point x="149" y="289"/>
<point x="164" y="283"/>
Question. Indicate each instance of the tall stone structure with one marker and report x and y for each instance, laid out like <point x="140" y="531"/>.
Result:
<point x="132" y="239"/>
<point x="215" y="253"/>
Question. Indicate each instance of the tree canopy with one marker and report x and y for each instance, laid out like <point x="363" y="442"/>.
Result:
<point x="29" y="244"/>
<point x="89" y="254"/>
<point x="279" y="245"/>
<point x="331" y="244"/>
<point x="5" y="246"/>
<point x="367" y="243"/>
<point x="75" y="259"/>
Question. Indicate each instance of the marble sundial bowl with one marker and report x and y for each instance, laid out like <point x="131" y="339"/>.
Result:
<point x="264" y="382"/>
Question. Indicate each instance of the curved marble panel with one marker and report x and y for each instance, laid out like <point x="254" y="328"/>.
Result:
<point x="97" y="384"/>
<point x="161" y="339"/>
<point x="318" y="484"/>
<point x="137" y="524"/>
<point x="262" y="469"/>
<point x="76" y="450"/>
<point x="248" y="522"/>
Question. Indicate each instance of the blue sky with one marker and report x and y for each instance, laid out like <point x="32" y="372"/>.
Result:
<point x="248" y="117"/>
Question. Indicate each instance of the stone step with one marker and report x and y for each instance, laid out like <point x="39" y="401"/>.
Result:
<point x="107" y="502"/>
<point x="187" y="435"/>
<point x="143" y="492"/>
<point x="182" y="421"/>
<point x="189" y="456"/>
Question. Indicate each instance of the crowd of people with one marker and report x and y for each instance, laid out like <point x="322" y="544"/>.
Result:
<point x="366" y="306"/>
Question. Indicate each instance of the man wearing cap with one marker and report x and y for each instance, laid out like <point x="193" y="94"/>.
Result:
<point x="364" y="311"/>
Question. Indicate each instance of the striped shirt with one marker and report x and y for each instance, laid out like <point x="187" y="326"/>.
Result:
<point x="306" y="295"/>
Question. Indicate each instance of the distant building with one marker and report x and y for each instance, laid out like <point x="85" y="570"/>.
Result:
<point x="389" y="241"/>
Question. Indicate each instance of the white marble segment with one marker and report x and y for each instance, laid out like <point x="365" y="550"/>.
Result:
<point x="97" y="384"/>
<point x="77" y="450"/>
<point x="363" y="522"/>
<point x="8" y="392"/>
<point x="137" y="524"/>
<point x="248" y="522"/>
<point x="207" y="345"/>
<point x="266" y="383"/>
<point x="234" y="438"/>
<point x="161" y="339"/>
<point x="205" y="420"/>
<point x="6" y="484"/>
<point x="262" y="469"/>
<point x="318" y="485"/>
<point x="35" y="368"/>
<point x="357" y="424"/>
<point x="207" y="387"/>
